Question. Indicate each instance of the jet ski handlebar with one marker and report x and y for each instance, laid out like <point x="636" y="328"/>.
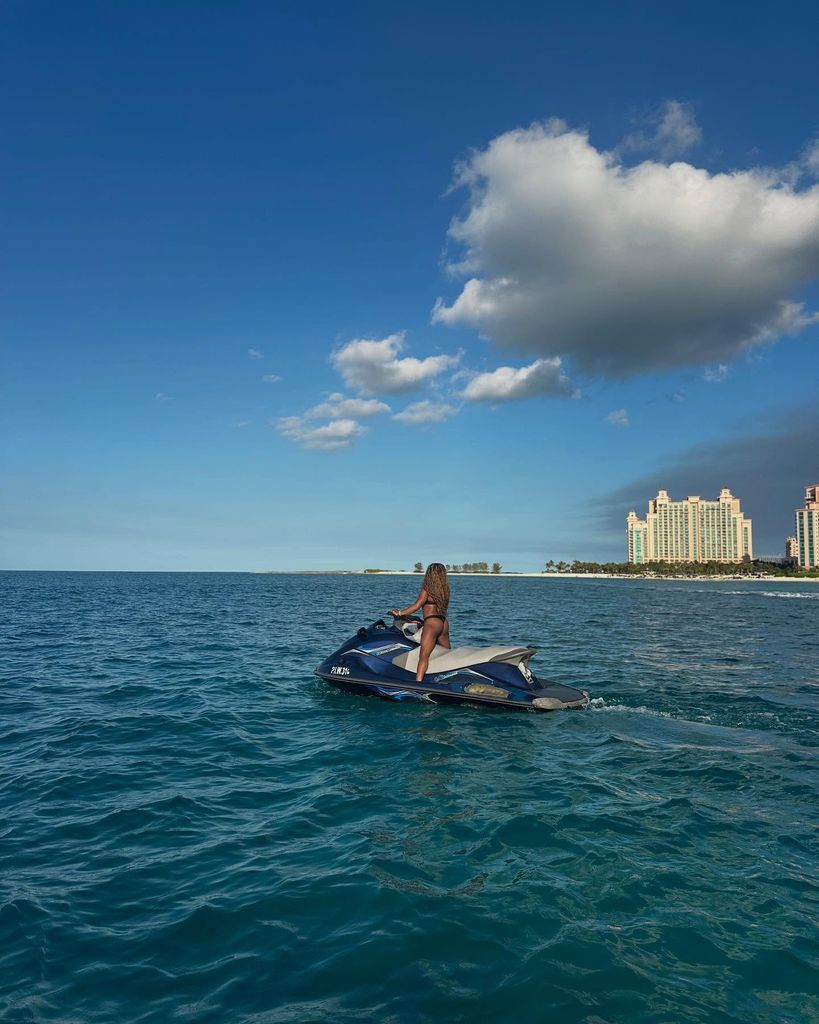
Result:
<point x="405" y="618"/>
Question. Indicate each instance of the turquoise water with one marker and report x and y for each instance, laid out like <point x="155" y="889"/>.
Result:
<point x="193" y="828"/>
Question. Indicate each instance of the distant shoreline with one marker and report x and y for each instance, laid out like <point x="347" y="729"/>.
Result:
<point x="728" y="578"/>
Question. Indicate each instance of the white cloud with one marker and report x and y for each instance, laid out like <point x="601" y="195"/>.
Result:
<point x="715" y="374"/>
<point x="790" y="318"/>
<point x="675" y="132"/>
<point x="335" y="434"/>
<point x="241" y="423"/>
<point x="627" y="270"/>
<point x="271" y="378"/>
<point x="542" y="377"/>
<point x="343" y="427"/>
<point x="810" y="158"/>
<point x="418" y="413"/>
<point x="373" y="366"/>
<point x="162" y="397"/>
<point x="618" y="418"/>
<point x="254" y="353"/>
<point x="339" y="407"/>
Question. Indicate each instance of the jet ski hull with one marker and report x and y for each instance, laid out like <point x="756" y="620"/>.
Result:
<point x="365" y="664"/>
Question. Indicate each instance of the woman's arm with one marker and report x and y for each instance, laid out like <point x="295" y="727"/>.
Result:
<point x="420" y="600"/>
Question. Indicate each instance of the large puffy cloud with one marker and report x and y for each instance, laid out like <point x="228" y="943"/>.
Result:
<point x="570" y="252"/>
<point x="335" y="434"/>
<point x="542" y="377"/>
<point x="373" y="366"/>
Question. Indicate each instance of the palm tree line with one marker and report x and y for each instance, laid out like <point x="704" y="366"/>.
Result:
<point x="750" y="568"/>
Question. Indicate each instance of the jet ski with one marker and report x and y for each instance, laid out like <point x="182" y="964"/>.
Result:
<point x="383" y="660"/>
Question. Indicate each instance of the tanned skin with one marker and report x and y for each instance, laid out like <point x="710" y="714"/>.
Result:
<point x="434" y="630"/>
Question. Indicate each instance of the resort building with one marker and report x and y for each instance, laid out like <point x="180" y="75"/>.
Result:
<point x="791" y="550"/>
<point x="691" y="530"/>
<point x="637" y="539"/>
<point x="807" y="530"/>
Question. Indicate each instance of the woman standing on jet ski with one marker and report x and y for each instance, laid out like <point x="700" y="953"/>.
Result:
<point x="434" y="599"/>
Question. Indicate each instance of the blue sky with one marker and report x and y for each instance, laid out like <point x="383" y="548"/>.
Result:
<point x="196" y="196"/>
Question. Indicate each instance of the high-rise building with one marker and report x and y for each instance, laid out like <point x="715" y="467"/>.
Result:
<point x="691" y="530"/>
<point x="807" y="530"/>
<point x="791" y="549"/>
<point x="637" y="539"/>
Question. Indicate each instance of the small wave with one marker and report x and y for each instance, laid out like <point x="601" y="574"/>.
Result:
<point x="771" y="593"/>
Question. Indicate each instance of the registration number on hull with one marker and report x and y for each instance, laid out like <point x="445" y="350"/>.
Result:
<point x="339" y="670"/>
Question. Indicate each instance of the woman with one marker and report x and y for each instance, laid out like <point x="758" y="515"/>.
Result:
<point x="434" y="599"/>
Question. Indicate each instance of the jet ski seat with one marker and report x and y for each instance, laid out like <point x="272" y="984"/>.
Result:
<point x="442" y="659"/>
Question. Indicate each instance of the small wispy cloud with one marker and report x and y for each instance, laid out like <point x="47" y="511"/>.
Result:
<point x="419" y="413"/>
<point x="241" y="423"/>
<point x="337" y="406"/>
<point x="254" y="353"/>
<point x="791" y="318"/>
<point x="162" y="397"/>
<point x="618" y="418"/>
<point x="271" y="378"/>
<point x="342" y="427"/>
<point x="810" y="158"/>
<point x="715" y="374"/>
<point x="374" y="366"/>
<point x="329" y="437"/>
<point x="674" y="131"/>
<point x="543" y="377"/>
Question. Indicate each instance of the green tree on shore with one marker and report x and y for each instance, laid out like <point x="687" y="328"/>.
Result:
<point x="472" y="567"/>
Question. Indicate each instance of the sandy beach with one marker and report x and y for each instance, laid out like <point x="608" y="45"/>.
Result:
<point x="732" y="578"/>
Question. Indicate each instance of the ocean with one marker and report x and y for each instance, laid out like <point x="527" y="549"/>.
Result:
<point x="193" y="828"/>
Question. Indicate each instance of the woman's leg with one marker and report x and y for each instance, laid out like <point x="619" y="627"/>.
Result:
<point x="443" y="639"/>
<point x="429" y="636"/>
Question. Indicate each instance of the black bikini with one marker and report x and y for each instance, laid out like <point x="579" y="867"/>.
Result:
<point x="435" y="616"/>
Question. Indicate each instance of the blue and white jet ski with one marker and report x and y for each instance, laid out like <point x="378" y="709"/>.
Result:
<point x="383" y="660"/>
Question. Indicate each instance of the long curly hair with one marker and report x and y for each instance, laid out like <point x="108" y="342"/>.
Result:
<point x="436" y="585"/>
